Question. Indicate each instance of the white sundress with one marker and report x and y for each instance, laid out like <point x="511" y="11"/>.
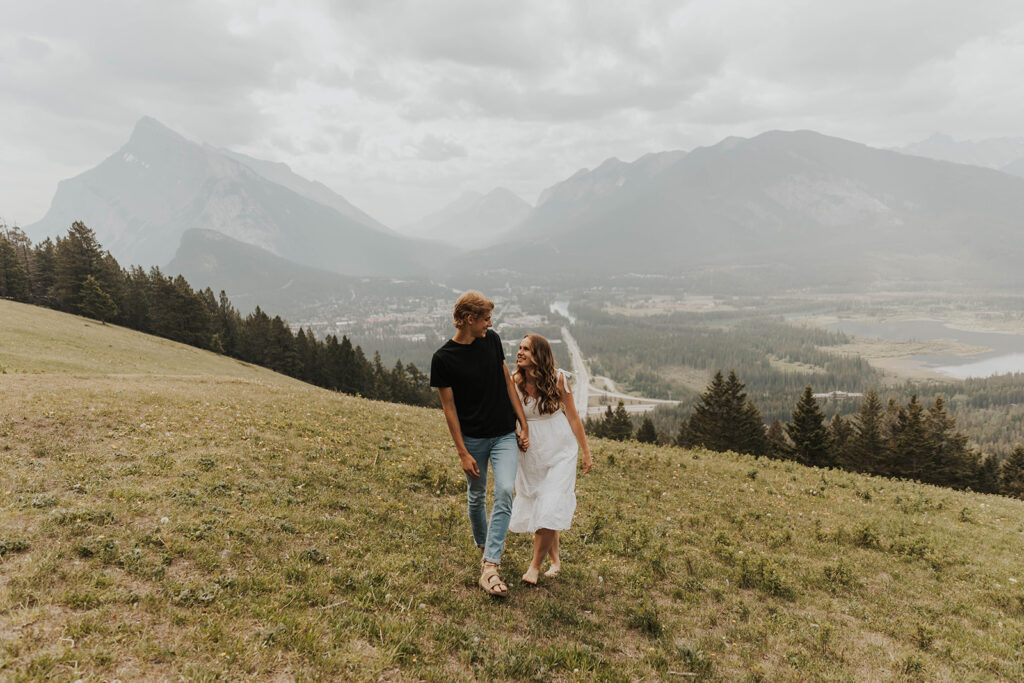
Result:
<point x="546" y="482"/>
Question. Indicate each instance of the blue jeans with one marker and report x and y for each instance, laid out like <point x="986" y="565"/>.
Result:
<point x="502" y="453"/>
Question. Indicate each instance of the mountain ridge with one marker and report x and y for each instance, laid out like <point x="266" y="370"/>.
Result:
<point x="783" y="199"/>
<point x="142" y="198"/>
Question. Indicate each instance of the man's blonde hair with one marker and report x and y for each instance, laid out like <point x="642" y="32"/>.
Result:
<point x="471" y="304"/>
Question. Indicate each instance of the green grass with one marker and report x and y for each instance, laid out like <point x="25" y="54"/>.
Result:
<point x="189" y="516"/>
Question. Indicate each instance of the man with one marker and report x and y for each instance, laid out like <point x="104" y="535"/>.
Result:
<point x="481" y="408"/>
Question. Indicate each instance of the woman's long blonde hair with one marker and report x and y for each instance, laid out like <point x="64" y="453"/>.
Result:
<point x="543" y="374"/>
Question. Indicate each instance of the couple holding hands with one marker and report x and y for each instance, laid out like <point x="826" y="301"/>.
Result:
<point x="482" y="402"/>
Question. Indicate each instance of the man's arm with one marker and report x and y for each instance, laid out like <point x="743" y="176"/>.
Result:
<point x="517" y="406"/>
<point x="467" y="461"/>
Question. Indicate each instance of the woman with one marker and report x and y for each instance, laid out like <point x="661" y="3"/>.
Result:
<point x="546" y="482"/>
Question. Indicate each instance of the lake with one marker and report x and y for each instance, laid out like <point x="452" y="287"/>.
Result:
<point x="1006" y="355"/>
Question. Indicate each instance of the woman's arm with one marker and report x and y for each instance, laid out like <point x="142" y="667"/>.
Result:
<point x="569" y="405"/>
<point x="524" y="430"/>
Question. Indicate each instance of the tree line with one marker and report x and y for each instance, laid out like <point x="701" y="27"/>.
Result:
<point x="775" y="358"/>
<point x="911" y="441"/>
<point x="74" y="274"/>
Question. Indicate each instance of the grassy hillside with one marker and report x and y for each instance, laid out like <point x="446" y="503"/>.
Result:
<point x="165" y="512"/>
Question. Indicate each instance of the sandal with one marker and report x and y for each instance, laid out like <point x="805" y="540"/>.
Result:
<point x="491" y="582"/>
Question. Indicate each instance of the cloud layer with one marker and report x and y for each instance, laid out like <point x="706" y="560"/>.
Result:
<point x="402" y="105"/>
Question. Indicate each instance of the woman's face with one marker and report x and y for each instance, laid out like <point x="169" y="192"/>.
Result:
<point x="524" y="357"/>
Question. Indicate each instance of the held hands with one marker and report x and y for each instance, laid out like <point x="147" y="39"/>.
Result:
<point x="469" y="465"/>
<point x="588" y="462"/>
<point x="523" y="439"/>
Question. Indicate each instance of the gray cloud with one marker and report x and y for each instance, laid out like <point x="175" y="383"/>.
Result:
<point x="434" y="148"/>
<point x="472" y="94"/>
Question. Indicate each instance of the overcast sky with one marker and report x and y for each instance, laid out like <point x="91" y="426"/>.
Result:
<point x="402" y="105"/>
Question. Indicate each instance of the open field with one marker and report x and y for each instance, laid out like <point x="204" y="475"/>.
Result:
<point x="895" y="357"/>
<point x="40" y="340"/>
<point x="979" y="320"/>
<point x="158" y="521"/>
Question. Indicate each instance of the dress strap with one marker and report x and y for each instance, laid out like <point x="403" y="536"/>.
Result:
<point x="563" y="379"/>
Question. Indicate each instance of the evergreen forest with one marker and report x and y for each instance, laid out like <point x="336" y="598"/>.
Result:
<point x="913" y="441"/>
<point x="74" y="274"/>
<point x="671" y="356"/>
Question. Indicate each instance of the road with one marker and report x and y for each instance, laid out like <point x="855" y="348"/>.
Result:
<point x="579" y="368"/>
<point x="583" y="388"/>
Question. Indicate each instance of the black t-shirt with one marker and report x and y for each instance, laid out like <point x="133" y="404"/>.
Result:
<point x="475" y="372"/>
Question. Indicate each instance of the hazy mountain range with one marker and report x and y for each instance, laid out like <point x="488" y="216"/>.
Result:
<point x="255" y="277"/>
<point x="784" y="200"/>
<point x="473" y="220"/>
<point x="1005" y="154"/>
<point x="780" y="209"/>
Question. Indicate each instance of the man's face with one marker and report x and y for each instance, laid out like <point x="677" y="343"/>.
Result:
<point x="478" y="325"/>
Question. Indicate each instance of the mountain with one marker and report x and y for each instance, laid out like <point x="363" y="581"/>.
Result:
<point x="473" y="220"/>
<point x="282" y="174"/>
<point x="253" y="276"/>
<point x="990" y="153"/>
<point x="819" y="208"/>
<point x="591" y="193"/>
<point x="1014" y="168"/>
<point x="141" y="199"/>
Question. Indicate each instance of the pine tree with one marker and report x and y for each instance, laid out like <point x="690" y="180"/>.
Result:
<point x="779" y="446"/>
<point x="43" y="271"/>
<point x="683" y="437"/>
<point x="14" y="282"/>
<point x="912" y="454"/>
<point x="752" y="437"/>
<point x="16" y="264"/>
<point x="594" y="426"/>
<point x="95" y="302"/>
<point x="399" y="384"/>
<point x="986" y="474"/>
<point x="807" y="432"/>
<point x="866" y="451"/>
<point x="951" y="460"/>
<point x="135" y="309"/>
<point x="1012" y="474"/>
<point x="708" y="423"/>
<point x="619" y="427"/>
<point x="362" y="372"/>
<point x="348" y="367"/>
<point x="77" y="256"/>
<point x="724" y="419"/>
<point x="381" y="390"/>
<point x="840" y="432"/>
<point x="646" y="432"/>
